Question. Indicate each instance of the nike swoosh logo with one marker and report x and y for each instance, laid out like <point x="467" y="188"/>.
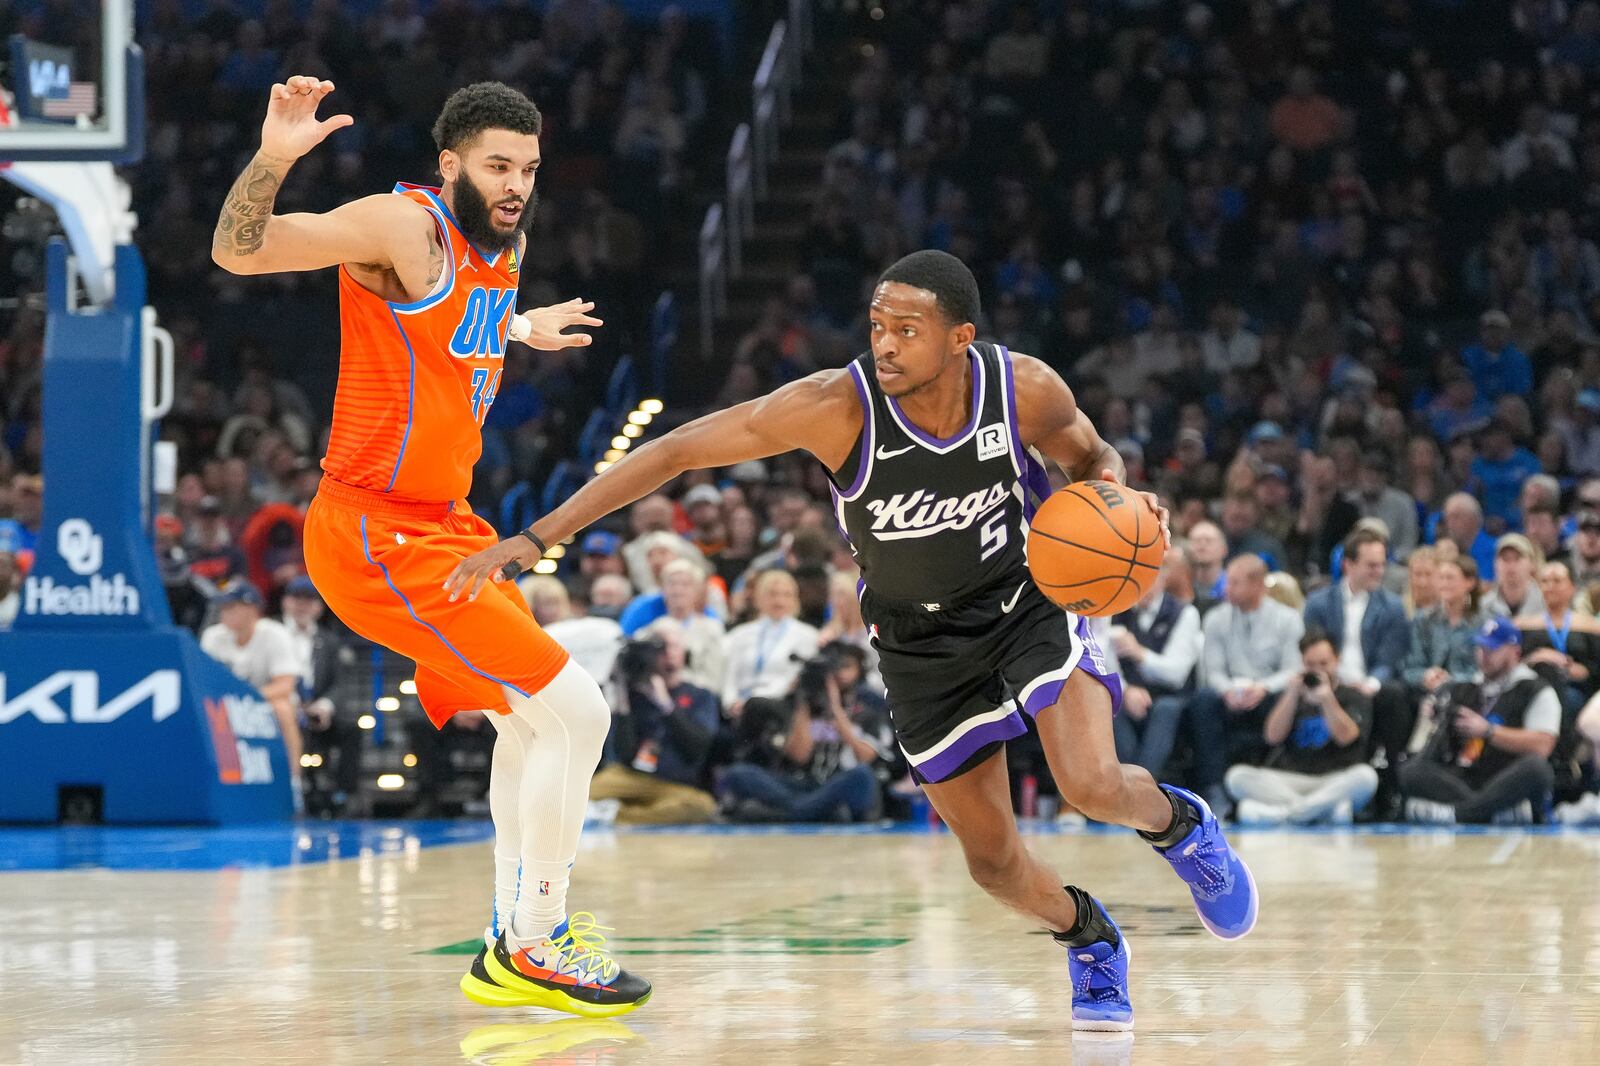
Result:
<point x="1005" y="608"/>
<point x="884" y="454"/>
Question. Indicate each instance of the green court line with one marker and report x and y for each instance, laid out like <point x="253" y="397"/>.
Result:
<point x="720" y="945"/>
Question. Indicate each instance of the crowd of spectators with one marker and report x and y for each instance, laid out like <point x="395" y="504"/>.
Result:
<point x="1326" y="275"/>
<point x="626" y="118"/>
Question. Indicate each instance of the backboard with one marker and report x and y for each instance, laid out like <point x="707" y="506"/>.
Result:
<point x="71" y="83"/>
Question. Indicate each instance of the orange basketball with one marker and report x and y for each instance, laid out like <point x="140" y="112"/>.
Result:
<point x="1095" y="547"/>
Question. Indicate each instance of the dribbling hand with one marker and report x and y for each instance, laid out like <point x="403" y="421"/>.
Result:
<point x="1155" y="505"/>
<point x="291" y="128"/>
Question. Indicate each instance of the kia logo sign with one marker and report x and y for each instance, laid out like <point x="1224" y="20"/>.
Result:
<point x="161" y="689"/>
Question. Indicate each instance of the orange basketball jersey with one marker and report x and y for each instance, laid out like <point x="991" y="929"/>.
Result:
<point x="417" y="379"/>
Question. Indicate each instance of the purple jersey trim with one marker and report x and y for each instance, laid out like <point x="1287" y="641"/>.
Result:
<point x="978" y="385"/>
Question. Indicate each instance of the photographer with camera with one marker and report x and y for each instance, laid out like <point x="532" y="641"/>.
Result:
<point x="1314" y="772"/>
<point x="656" y="756"/>
<point x="836" y="742"/>
<point x="1490" y="748"/>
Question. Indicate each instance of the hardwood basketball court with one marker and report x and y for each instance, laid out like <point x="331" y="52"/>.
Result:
<point x="342" y="943"/>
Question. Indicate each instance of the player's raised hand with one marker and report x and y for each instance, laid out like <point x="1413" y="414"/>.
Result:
<point x="291" y="128"/>
<point x="542" y="327"/>
<point x="1155" y="504"/>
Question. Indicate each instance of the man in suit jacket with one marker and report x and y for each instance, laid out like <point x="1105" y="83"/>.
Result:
<point x="1367" y="624"/>
<point x="1366" y="621"/>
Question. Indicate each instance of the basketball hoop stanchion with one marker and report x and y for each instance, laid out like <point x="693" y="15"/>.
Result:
<point x="100" y="694"/>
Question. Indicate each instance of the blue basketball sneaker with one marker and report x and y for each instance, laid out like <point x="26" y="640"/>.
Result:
<point x="1100" y="982"/>
<point x="1223" y="890"/>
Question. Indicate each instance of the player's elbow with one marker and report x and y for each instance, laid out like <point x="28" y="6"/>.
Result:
<point x="232" y="261"/>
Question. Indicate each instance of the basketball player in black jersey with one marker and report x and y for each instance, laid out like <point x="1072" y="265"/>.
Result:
<point x="934" y="446"/>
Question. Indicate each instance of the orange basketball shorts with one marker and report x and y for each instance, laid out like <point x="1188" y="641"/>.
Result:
<point x="380" y="564"/>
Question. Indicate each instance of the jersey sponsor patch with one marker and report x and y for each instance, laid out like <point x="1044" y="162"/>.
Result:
<point x="992" y="442"/>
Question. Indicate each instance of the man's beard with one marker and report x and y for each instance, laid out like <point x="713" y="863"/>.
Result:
<point x="473" y="216"/>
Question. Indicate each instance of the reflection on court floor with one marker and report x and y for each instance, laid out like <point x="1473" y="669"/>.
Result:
<point x="342" y="942"/>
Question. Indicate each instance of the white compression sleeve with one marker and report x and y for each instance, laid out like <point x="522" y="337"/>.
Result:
<point x="513" y="737"/>
<point x="569" y="719"/>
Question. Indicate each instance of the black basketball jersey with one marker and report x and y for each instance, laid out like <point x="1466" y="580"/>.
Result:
<point x="934" y="521"/>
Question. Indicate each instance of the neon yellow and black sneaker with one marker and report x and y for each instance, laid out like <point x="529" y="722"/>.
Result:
<point x="567" y="971"/>
<point x="478" y="986"/>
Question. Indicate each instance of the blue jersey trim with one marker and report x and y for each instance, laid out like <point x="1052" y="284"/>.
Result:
<point x="411" y="399"/>
<point x="430" y="628"/>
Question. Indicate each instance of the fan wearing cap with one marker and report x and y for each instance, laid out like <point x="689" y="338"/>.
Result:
<point x="258" y="652"/>
<point x="1515" y="592"/>
<point x="1493" y="754"/>
<point x="1584" y="562"/>
<point x="1497" y="366"/>
<point x="708" y="532"/>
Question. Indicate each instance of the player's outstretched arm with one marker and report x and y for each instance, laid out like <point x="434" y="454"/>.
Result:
<point x="819" y="414"/>
<point x="388" y="232"/>
<point x="1048" y="419"/>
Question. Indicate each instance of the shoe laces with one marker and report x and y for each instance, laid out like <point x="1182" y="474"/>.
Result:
<point x="582" y="946"/>
<point x="1216" y="878"/>
<point x="1109" y="985"/>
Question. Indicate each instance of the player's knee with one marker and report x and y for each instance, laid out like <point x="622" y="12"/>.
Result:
<point x="995" y="866"/>
<point x="1095" y="790"/>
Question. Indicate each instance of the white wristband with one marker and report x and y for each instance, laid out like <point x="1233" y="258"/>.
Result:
<point x="520" y="330"/>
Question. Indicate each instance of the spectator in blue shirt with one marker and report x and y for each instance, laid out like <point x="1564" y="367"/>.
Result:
<point x="19" y="534"/>
<point x="1499" y="471"/>
<point x="1458" y="408"/>
<point x="1461" y="520"/>
<point x="1497" y="366"/>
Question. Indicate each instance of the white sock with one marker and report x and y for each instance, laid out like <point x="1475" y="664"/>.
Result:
<point x="569" y="720"/>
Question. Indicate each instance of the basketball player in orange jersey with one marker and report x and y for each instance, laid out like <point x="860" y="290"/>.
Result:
<point x="932" y="444"/>
<point x="427" y="302"/>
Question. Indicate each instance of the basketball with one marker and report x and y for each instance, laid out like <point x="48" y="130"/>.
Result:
<point x="1095" y="547"/>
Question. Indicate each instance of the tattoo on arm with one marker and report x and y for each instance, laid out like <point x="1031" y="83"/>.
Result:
<point x="435" y="257"/>
<point x="242" y="227"/>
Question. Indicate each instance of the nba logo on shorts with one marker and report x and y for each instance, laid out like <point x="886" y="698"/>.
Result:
<point x="991" y="442"/>
<point x="544" y="888"/>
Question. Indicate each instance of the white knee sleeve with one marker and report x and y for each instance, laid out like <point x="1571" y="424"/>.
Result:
<point x="569" y="720"/>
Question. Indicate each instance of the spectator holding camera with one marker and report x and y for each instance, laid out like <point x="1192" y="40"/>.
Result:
<point x="830" y="751"/>
<point x="661" y="737"/>
<point x="1314" y="771"/>
<point x="764" y="656"/>
<point x="1489" y="752"/>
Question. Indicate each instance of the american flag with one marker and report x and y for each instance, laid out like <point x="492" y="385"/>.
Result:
<point x="80" y="100"/>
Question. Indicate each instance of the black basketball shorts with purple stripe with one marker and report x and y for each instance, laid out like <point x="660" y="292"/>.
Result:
<point x="961" y="676"/>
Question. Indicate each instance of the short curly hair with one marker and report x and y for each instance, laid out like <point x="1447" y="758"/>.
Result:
<point x="954" y="288"/>
<point x="484" y="105"/>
